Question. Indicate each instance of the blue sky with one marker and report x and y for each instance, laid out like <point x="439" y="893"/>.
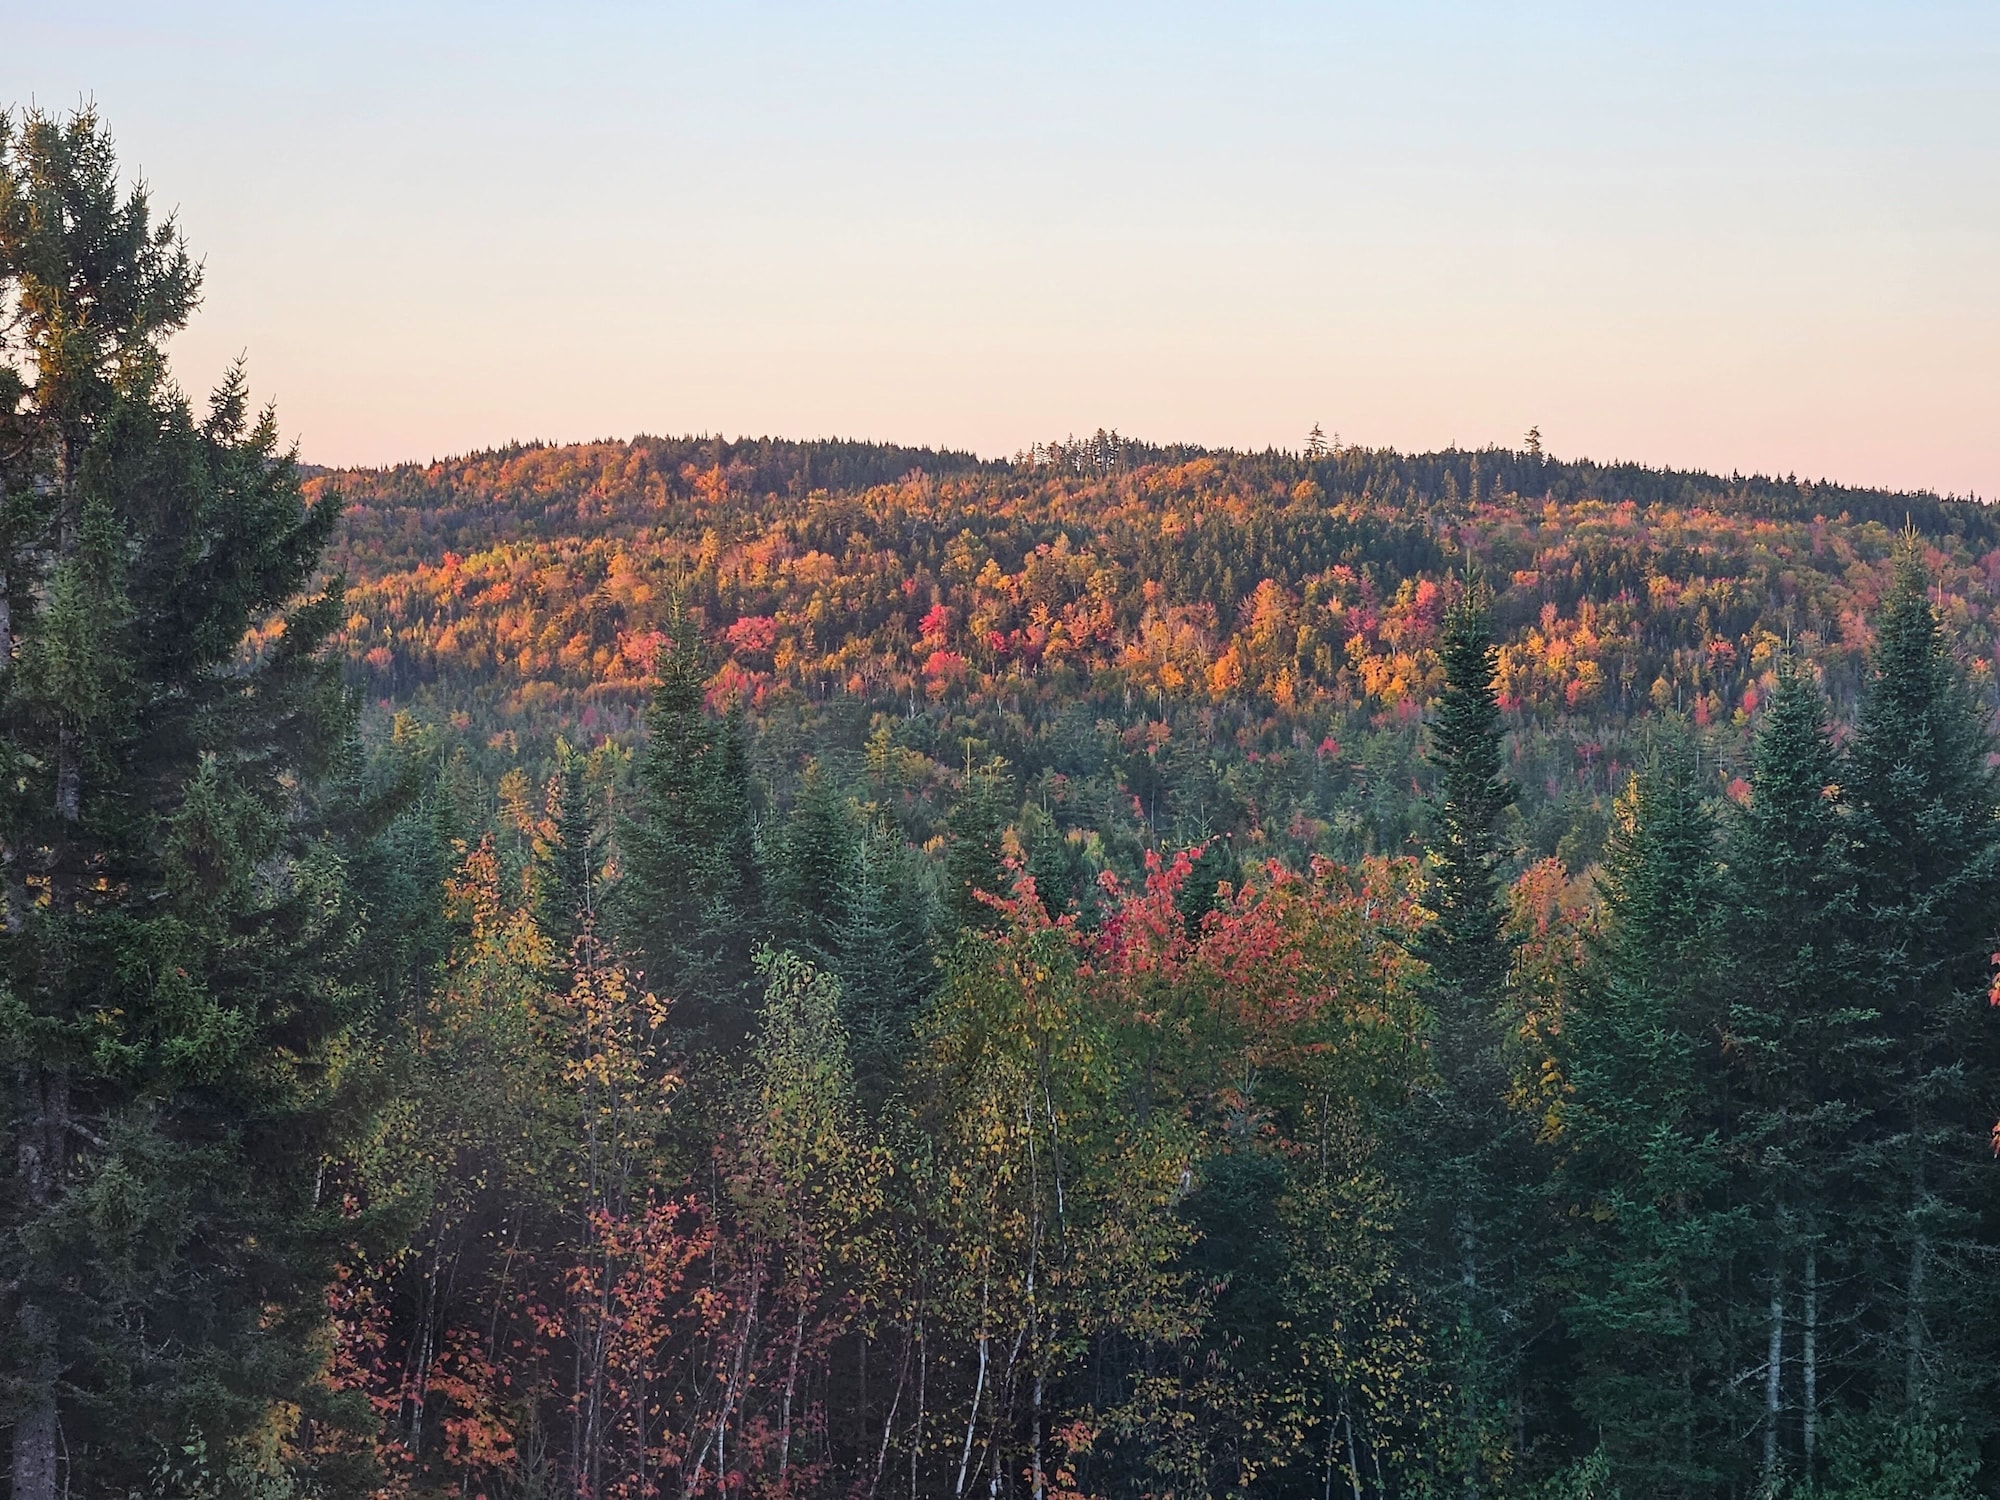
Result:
<point x="1751" y="236"/>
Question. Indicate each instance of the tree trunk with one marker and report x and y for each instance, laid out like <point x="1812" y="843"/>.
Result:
<point x="791" y="1388"/>
<point x="1353" y="1456"/>
<point x="889" y="1421"/>
<point x="978" y="1391"/>
<point x="69" y="776"/>
<point x="1913" y="1326"/>
<point x="1036" y="1482"/>
<point x="1773" y="1368"/>
<point x="917" y="1440"/>
<point x="1809" y="1356"/>
<point x="1468" y="1397"/>
<point x="37" y="1428"/>
<point x="39" y="1168"/>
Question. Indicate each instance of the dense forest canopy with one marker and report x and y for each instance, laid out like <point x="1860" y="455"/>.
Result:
<point x="708" y="968"/>
<point x="1243" y="643"/>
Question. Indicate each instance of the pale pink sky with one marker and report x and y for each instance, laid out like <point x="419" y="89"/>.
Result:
<point x="1752" y="236"/>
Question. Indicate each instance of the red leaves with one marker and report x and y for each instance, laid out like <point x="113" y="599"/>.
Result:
<point x="1143" y="933"/>
<point x="944" y="666"/>
<point x="753" y="635"/>
<point x="1287" y="968"/>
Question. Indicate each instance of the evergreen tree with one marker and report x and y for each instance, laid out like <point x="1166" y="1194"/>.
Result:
<point x="692" y="891"/>
<point x="1057" y="863"/>
<point x="975" y="854"/>
<point x="813" y="867"/>
<point x="1797" y="1038"/>
<point x="1642" y="1174"/>
<point x="1466" y="948"/>
<point x="1925" y="820"/>
<point x="882" y="934"/>
<point x="570" y="860"/>
<point x="1472" y="1154"/>
<point x="1214" y="864"/>
<point x="180" y="938"/>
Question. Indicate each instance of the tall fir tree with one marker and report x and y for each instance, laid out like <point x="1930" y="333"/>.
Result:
<point x="1642" y="1180"/>
<point x="691" y="900"/>
<point x="1472" y="1155"/>
<point x="813" y="867"/>
<point x="1060" y="865"/>
<point x="1925" y="820"/>
<point x="570" y="860"/>
<point x="975" y="855"/>
<point x="882" y="936"/>
<point x="1466" y="947"/>
<point x="180" y="944"/>
<point x="1798" y="1041"/>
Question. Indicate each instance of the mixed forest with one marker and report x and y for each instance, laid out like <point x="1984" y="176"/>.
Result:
<point x="688" y="967"/>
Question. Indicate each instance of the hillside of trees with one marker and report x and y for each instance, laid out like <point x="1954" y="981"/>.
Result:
<point x="1161" y="645"/>
<point x="767" y="969"/>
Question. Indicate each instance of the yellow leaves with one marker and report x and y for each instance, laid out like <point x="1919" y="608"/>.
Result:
<point x="1226" y="675"/>
<point x="1389" y="679"/>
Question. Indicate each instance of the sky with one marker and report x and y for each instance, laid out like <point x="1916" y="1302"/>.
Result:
<point x="1746" y="236"/>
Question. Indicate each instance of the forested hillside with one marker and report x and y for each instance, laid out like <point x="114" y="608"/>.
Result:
<point x="698" y="969"/>
<point x="1459" y="1056"/>
<point x="1161" y="644"/>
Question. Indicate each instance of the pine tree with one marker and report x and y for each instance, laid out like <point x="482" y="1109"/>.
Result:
<point x="180" y="941"/>
<point x="1213" y="866"/>
<point x="692" y="892"/>
<point x="975" y="858"/>
<point x="883" y="938"/>
<point x="1924" y="808"/>
<point x="1472" y="1155"/>
<point x="1797" y="1038"/>
<point x="1466" y="948"/>
<point x="1642" y="1176"/>
<point x="570" y="861"/>
<point x="814" y="867"/>
<point x="1056" y="862"/>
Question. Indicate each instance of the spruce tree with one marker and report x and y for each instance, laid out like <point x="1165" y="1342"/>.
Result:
<point x="1797" y="1037"/>
<point x="975" y="857"/>
<point x="571" y="860"/>
<point x="691" y="900"/>
<point x="1058" y="864"/>
<point x="1642" y="1182"/>
<point x="180" y="941"/>
<point x="882" y="936"/>
<point x="1471" y="1154"/>
<point x="1925" y="822"/>
<point x="813" y="867"/>
<point x="1214" y="865"/>
<point x="1467" y="952"/>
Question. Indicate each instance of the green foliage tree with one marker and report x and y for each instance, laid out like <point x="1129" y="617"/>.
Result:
<point x="181" y="938"/>
<point x="570" y="859"/>
<point x="1642" y="1176"/>
<point x="1051" y="1202"/>
<point x="1058" y="862"/>
<point x="975" y="851"/>
<point x="1925" y="819"/>
<point x="1797" y="1038"/>
<point x="1214" y="865"/>
<point x="813" y="867"/>
<point x="883" y="942"/>
<point x="692" y="894"/>
<point x="1471" y="1159"/>
<point x="1466" y="947"/>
